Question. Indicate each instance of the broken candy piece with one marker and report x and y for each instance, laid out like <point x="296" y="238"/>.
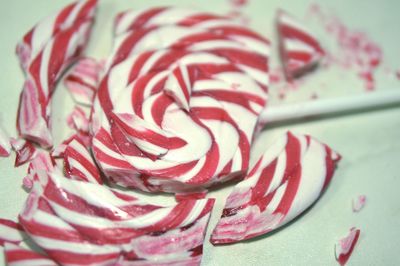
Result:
<point x="358" y="203"/>
<point x="10" y="232"/>
<point x="5" y="146"/>
<point x="24" y="149"/>
<point x="82" y="81"/>
<point x="81" y="223"/>
<point x="78" y="120"/>
<point x="287" y="179"/>
<point x="299" y="50"/>
<point x="42" y="74"/>
<point x="34" y="40"/>
<point x="19" y="256"/>
<point x="78" y="162"/>
<point x="345" y="247"/>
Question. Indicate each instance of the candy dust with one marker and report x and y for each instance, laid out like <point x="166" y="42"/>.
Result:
<point x="355" y="52"/>
<point x="358" y="203"/>
<point x="345" y="246"/>
<point x="237" y="13"/>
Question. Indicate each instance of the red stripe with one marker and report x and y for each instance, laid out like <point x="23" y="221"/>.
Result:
<point x="292" y="174"/>
<point x="145" y="17"/>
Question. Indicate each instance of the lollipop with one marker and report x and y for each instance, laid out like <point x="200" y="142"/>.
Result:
<point x="179" y="101"/>
<point x="300" y="51"/>
<point x="287" y="179"/>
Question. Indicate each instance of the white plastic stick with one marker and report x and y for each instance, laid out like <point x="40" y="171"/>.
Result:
<point x="329" y="106"/>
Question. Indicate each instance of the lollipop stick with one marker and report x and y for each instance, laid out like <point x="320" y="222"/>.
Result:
<point x="330" y="106"/>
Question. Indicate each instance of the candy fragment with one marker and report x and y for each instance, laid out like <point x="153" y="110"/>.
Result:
<point x="358" y="203"/>
<point x="42" y="162"/>
<point x="81" y="223"/>
<point x="78" y="162"/>
<point x="82" y="81"/>
<point x="286" y="180"/>
<point x="25" y="151"/>
<point x="344" y="248"/>
<point x="179" y="101"/>
<point x="34" y="40"/>
<point x="299" y="49"/>
<point x="78" y="120"/>
<point x="19" y="256"/>
<point x="5" y="146"/>
<point x="42" y="74"/>
<point x="10" y="232"/>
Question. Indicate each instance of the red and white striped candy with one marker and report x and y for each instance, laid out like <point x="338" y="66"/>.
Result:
<point x="5" y="146"/>
<point x="38" y="37"/>
<point x="25" y="151"/>
<point x="43" y="72"/>
<point x="299" y="49"/>
<point x="158" y="16"/>
<point x="178" y="104"/>
<point x="10" y="232"/>
<point x="345" y="246"/>
<point x="78" y="120"/>
<point x="82" y="81"/>
<point x="287" y="179"/>
<point x="19" y="256"/>
<point x="43" y="161"/>
<point x="78" y="162"/>
<point x="81" y="223"/>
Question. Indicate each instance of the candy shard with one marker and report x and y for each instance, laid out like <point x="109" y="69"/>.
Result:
<point x="358" y="203"/>
<point x="34" y="40"/>
<point x="287" y="179"/>
<point x="24" y="149"/>
<point x="344" y="248"/>
<point x="94" y="224"/>
<point x="78" y="120"/>
<point x="79" y="164"/>
<point x="299" y="49"/>
<point x="19" y="256"/>
<point x="5" y="146"/>
<point x="54" y="55"/>
<point x="10" y="232"/>
<point x="82" y="81"/>
<point x="43" y="161"/>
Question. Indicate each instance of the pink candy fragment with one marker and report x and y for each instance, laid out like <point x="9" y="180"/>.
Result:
<point x="42" y="162"/>
<point x="10" y="232"/>
<point x="24" y="149"/>
<point x="79" y="164"/>
<point x="35" y="40"/>
<point x="287" y="179"/>
<point x="82" y="81"/>
<point x="53" y="56"/>
<point x="5" y="146"/>
<point x="344" y="248"/>
<point x="78" y="120"/>
<point x="358" y="203"/>
<point x="299" y="49"/>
